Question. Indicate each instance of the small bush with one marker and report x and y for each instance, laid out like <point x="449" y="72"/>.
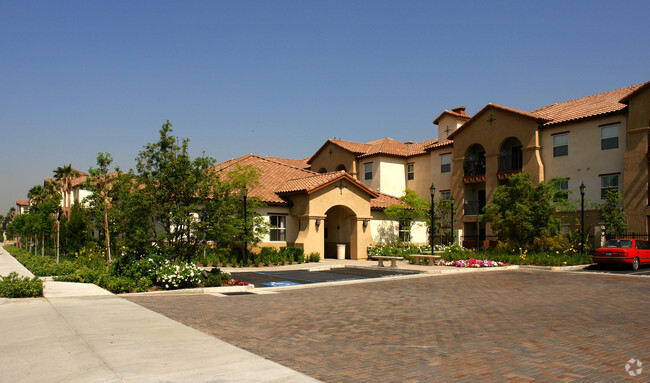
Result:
<point x="314" y="257"/>
<point x="14" y="286"/>
<point x="215" y="278"/>
<point x="116" y="284"/>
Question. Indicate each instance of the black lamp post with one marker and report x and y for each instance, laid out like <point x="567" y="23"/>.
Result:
<point x="582" y="217"/>
<point x="245" y="192"/>
<point x="451" y="220"/>
<point x="432" y="189"/>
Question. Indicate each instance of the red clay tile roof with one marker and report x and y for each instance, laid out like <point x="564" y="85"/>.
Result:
<point x="385" y="146"/>
<point x="453" y="114"/>
<point x="625" y="99"/>
<point x="273" y="174"/>
<point x="278" y="178"/>
<point x="440" y="145"/>
<point x="302" y="164"/>
<point x="318" y="181"/>
<point x="501" y="107"/>
<point x="585" y="107"/>
<point x="22" y="202"/>
<point x="384" y="201"/>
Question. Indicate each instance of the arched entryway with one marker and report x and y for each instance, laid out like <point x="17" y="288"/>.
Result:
<point x="339" y="228"/>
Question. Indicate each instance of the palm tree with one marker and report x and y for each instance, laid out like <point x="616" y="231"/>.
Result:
<point x="64" y="175"/>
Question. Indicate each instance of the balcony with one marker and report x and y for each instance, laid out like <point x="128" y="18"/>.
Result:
<point x="474" y="168"/>
<point x="474" y="207"/>
<point x="509" y="164"/>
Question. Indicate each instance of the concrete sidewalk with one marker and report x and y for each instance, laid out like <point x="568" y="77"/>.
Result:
<point x="80" y="334"/>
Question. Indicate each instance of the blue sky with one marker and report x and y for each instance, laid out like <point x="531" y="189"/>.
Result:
<point x="279" y="78"/>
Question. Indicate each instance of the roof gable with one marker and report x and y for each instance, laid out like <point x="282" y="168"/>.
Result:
<point x="491" y="106"/>
<point x="316" y="182"/>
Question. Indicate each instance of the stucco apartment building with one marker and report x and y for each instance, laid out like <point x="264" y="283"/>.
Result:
<point x="337" y="196"/>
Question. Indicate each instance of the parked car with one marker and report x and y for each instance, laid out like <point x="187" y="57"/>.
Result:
<point x="633" y="252"/>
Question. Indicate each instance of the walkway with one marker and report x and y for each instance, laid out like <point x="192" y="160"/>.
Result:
<point x="81" y="333"/>
<point x="510" y="325"/>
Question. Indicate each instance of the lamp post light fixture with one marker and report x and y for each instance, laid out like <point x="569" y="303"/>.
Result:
<point x="451" y="219"/>
<point x="432" y="189"/>
<point x="582" y="217"/>
<point x="245" y="193"/>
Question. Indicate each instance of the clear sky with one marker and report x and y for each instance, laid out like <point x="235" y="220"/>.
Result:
<point x="279" y="78"/>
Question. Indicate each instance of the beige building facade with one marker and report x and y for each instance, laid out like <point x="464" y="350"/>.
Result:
<point x="338" y="196"/>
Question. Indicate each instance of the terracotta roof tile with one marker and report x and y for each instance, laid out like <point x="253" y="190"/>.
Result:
<point x="437" y="145"/>
<point x="273" y="174"/>
<point x="22" y="202"/>
<point x="590" y="106"/>
<point x="460" y="116"/>
<point x="384" y="201"/>
<point x="317" y="181"/>
<point x="302" y="164"/>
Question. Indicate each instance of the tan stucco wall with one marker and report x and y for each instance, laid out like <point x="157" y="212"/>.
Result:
<point x="309" y="208"/>
<point x="330" y="162"/>
<point x="385" y="230"/>
<point x="292" y="226"/>
<point x="585" y="161"/>
<point x="491" y="137"/>
<point x="392" y="175"/>
<point x="422" y="175"/>
<point x="636" y="162"/>
<point x="447" y="123"/>
<point x="442" y="181"/>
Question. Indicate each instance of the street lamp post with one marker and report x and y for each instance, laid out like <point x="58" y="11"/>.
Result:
<point x="451" y="220"/>
<point x="432" y="189"/>
<point x="582" y="217"/>
<point x="245" y="192"/>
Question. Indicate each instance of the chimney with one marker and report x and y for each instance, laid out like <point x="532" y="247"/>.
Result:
<point x="460" y="110"/>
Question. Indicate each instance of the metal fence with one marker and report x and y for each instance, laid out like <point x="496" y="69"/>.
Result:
<point x="643" y="236"/>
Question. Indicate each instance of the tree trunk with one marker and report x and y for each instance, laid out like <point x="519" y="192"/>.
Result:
<point x="43" y="243"/>
<point x="108" y="243"/>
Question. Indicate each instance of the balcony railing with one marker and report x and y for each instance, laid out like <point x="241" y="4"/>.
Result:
<point x="510" y="163"/>
<point x="474" y="207"/>
<point x="474" y="166"/>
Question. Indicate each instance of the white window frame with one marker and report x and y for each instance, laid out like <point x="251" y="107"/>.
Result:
<point x="410" y="171"/>
<point x="277" y="229"/>
<point x="404" y="234"/>
<point x="561" y="144"/>
<point x="607" y="181"/>
<point x="367" y="171"/>
<point x="445" y="163"/>
<point x="609" y="136"/>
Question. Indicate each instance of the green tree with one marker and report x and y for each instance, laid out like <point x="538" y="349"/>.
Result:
<point x="520" y="211"/>
<point x="612" y="213"/>
<point x="412" y="209"/>
<point x="178" y="186"/>
<point x="76" y="231"/>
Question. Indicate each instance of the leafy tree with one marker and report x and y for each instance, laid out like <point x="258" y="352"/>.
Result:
<point x="412" y="208"/>
<point x="612" y="213"/>
<point x="76" y="231"/>
<point x="177" y="186"/>
<point x="520" y="211"/>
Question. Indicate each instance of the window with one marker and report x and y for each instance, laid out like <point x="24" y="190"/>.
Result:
<point x="561" y="145"/>
<point x="445" y="163"/>
<point x="410" y="171"/>
<point x="564" y="228"/>
<point x="609" y="137"/>
<point x="563" y="189"/>
<point x="367" y="169"/>
<point x="606" y="182"/>
<point x="445" y="194"/>
<point x="405" y="231"/>
<point x="278" y="230"/>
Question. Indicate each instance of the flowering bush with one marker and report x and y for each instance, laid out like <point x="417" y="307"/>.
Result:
<point x="176" y="275"/>
<point x="471" y="262"/>
<point x="234" y="282"/>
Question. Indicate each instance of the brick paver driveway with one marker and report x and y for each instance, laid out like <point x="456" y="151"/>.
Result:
<point x="520" y="325"/>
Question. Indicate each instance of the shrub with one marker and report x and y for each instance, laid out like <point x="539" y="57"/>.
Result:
<point x="215" y="277"/>
<point x="314" y="257"/>
<point x="176" y="275"/>
<point x="14" y="286"/>
<point x="117" y="284"/>
<point x="83" y="274"/>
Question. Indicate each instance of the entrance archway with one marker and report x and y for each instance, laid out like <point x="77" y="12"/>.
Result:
<point x="339" y="229"/>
